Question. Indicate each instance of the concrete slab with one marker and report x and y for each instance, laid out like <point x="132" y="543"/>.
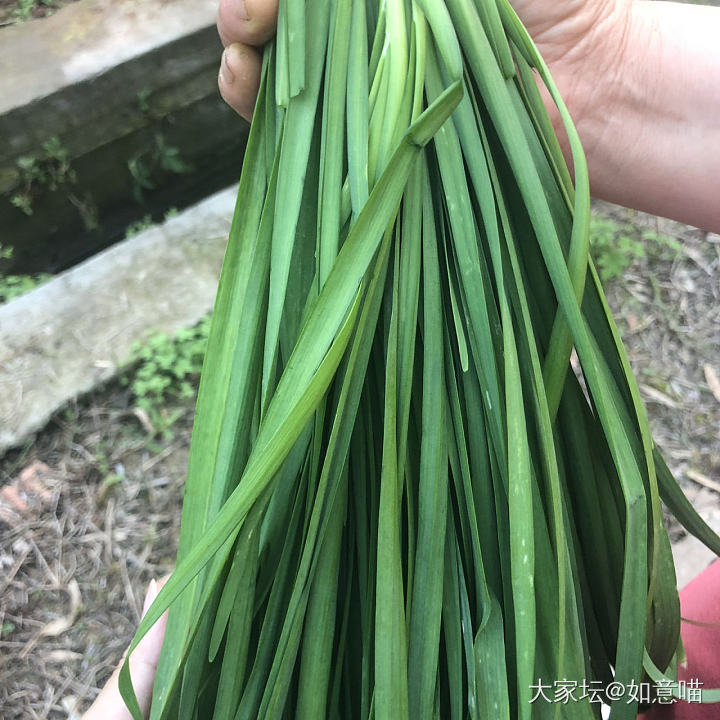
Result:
<point x="128" y="90"/>
<point x="73" y="333"/>
<point x="83" y="40"/>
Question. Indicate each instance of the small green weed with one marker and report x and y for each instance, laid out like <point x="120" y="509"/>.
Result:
<point x="166" y="369"/>
<point x="12" y="286"/>
<point x="143" y="99"/>
<point x="145" y="166"/>
<point x="147" y="222"/>
<point x="137" y="227"/>
<point x="615" y="247"/>
<point x="24" y="9"/>
<point x="51" y="170"/>
<point x="6" y="629"/>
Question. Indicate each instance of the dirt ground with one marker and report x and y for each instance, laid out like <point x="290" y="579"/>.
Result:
<point x="667" y="306"/>
<point x="74" y="563"/>
<point x="91" y="507"/>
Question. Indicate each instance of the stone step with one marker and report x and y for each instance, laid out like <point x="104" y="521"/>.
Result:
<point x="73" y="333"/>
<point x="126" y="92"/>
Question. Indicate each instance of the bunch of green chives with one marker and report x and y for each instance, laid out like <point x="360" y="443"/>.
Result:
<point x="401" y="500"/>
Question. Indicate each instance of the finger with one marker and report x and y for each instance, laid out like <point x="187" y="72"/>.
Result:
<point x="144" y="660"/>
<point x="250" y="22"/>
<point x="148" y="651"/>
<point x="239" y="78"/>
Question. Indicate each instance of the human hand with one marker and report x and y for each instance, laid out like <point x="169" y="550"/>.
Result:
<point x="567" y="33"/>
<point x="109" y="704"/>
<point x="581" y="41"/>
<point x="243" y="26"/>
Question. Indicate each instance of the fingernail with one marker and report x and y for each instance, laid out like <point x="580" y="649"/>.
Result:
<point x="227" y="76"/>
<point x="151" y="594"/>
<point x="242" y="10"/>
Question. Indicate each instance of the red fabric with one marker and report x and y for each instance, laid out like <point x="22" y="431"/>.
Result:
<point x="700" y="601"/>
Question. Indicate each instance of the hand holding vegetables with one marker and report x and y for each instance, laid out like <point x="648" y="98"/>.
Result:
<point x="563" y="31"/>
<point x="641" y="80"/>
<point x="390" y="444"/>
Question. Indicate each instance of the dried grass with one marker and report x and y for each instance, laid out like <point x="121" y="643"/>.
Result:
<point x="75" y="567"/>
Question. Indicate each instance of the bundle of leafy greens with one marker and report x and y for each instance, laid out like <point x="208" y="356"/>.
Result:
<point x="401" y="499"/>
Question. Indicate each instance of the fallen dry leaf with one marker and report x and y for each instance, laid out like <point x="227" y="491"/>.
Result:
<point x="63" y="624"/>
<point x="657" y="396"/>
<point x="62" y="656"/>
<point x="144" y="420"/>
<point x="60" y="625"/>
<point x="703" y="480"/>
<point x="712" y="381"/>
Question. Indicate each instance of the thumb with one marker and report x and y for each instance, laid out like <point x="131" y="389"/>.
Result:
<point x="144" y="660"/>
<point x="148" y="651"/>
